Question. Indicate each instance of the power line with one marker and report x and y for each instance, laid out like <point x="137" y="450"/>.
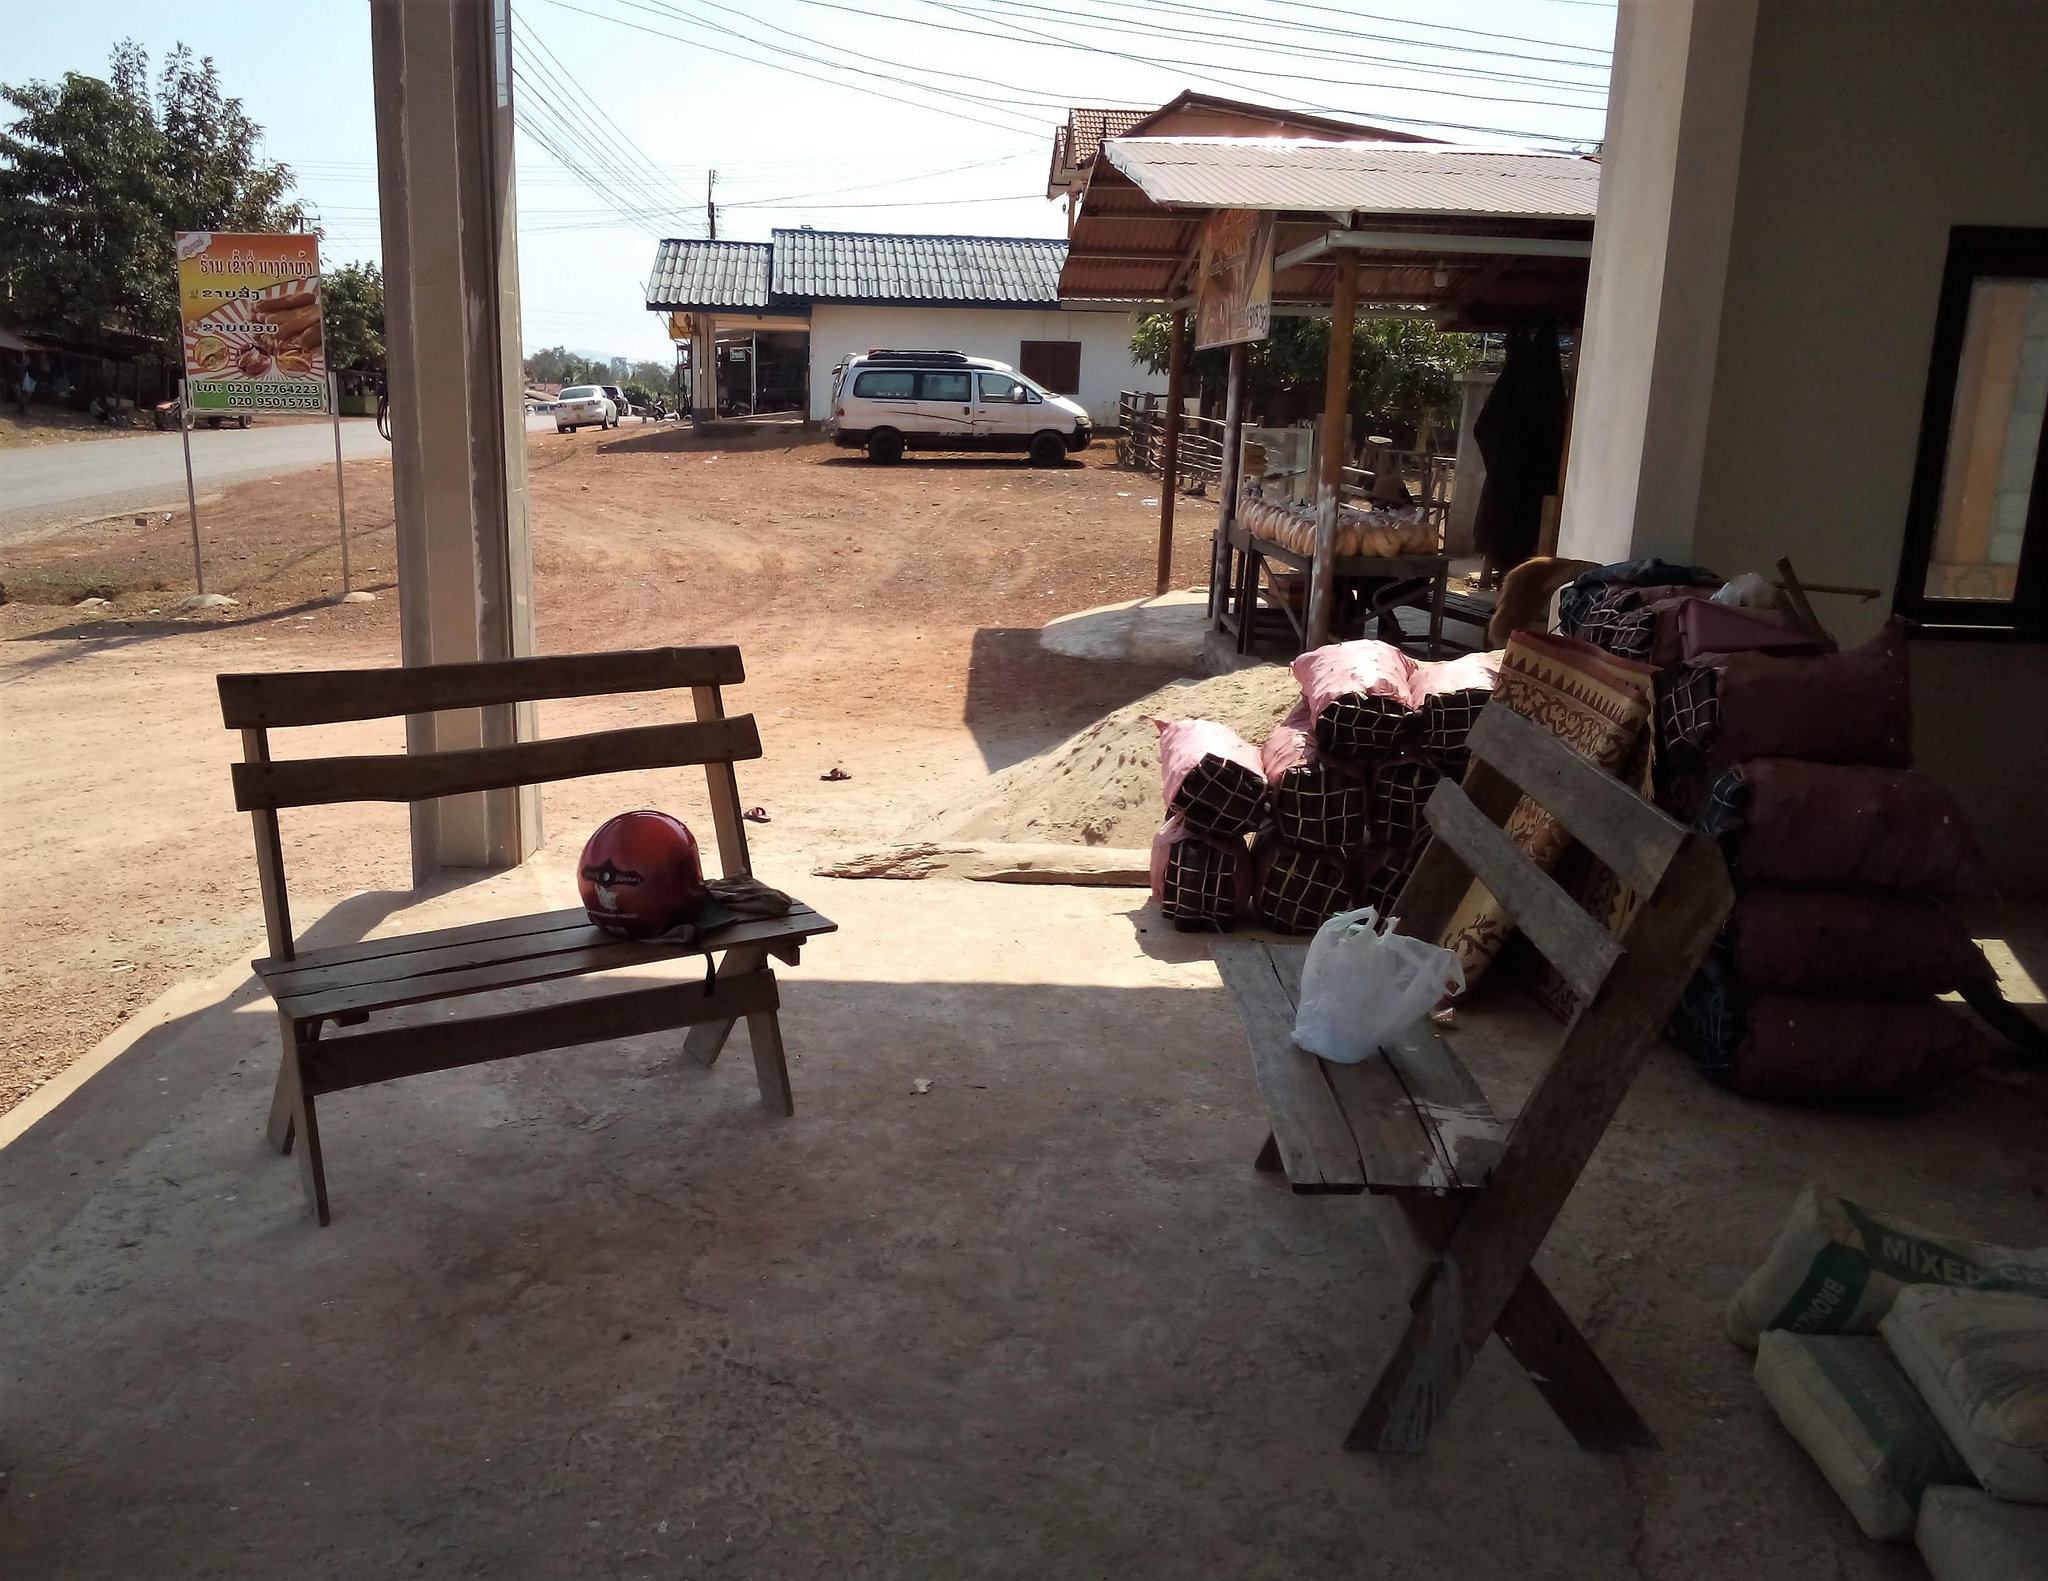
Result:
<point x="658" y="179"/>
<point x="1398" y="21"/>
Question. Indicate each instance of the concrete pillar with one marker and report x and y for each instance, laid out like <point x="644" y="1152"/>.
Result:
<point x="442" y="71"/>
<point x="1668" y="177"/>
<point x="703" y="368"/>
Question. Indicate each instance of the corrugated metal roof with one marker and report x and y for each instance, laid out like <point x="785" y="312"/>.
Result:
<point x="1298" y="175"/>
<point x="853" y="266"/>
<point x="690" y="274"/>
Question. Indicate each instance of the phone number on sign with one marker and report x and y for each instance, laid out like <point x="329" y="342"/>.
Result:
<point x="259" y="395"/>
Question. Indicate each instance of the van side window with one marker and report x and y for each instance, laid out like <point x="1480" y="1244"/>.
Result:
<point x="885" y="384"/>
<point x="943" y="387"/>
<point x="999" y="387"/>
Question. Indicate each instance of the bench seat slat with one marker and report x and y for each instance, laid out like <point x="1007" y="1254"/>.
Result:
<point x="1582" y="951"/>
<point x="1316" y="1146"/>
<point x="325" y="697"/>
<point x="408" y="777"/>
<point x="301" y="979"/>
<point x="1635" y="840"/>
<point x="411" y="979"/>
<point x="1447" y="1103"/>
<point x="1400" y="1152"/>
<point x="280" y="973"/>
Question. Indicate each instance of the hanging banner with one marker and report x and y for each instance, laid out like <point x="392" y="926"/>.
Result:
<point x="250" y="306"/>
<point x="1234" y="300"/>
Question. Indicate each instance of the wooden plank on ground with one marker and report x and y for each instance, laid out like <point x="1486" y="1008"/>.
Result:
<point x="1316" y="1146"/>
<point x="1580" y="948"/>
<point x="409" y="777"/>
<point x="325" y="697"/>
<point x="338" y="1063"/>
<point x="1634" y="839"/>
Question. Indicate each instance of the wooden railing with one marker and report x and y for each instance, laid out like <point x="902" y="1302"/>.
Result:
<point x="1142" y="441"/>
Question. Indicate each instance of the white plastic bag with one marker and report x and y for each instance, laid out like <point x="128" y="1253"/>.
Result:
<point x="1362" y="986"/>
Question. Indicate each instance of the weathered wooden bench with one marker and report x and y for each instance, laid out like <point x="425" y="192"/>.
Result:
<point x="347" y="985"/>
<point x="1472" y="1197"/>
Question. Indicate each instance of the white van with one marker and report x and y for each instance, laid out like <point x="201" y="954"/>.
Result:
<point x="887" y="402"/>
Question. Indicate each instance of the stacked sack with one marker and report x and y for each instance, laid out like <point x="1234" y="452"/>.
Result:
<point x="1334" y="797"/>
<point x="1824" y="983"/>
<point x="1913" y="1367"/>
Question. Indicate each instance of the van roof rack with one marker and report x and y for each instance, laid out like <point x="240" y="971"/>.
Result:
<point x="886" y="355"/>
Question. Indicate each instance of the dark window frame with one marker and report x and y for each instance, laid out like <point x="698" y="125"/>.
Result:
<point x="1034" y="357"/>
<point x="1974" y="252"/>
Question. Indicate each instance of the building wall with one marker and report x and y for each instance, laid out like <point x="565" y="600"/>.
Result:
<point x="1105" y="337"/>
<point x="1865" y="133"/>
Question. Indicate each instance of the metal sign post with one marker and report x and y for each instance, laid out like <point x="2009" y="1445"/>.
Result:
<point x="191" y="493"/>
<point x="348" y="593"/>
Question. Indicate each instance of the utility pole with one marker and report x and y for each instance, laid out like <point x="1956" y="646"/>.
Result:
<point x="710" y="208"/>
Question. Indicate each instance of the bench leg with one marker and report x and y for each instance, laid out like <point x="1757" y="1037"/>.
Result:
<point x="292" y="1114"/>
<point x="764" y="1031"/>
<point x="1268" y="1161"/>
<point x="1537" y="1332"/>
<point x="705" y="1041"/>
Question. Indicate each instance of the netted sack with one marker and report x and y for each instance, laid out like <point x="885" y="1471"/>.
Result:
<point x="1317" y="799"/>
<point x="1803" y="1048"/>
<point x="1383" y="888"/>
<point x="1980" y="1360"/>
<point x="1854" y="707"/>
<point x="1300" y="887"/>
<point x="1853" y="1409"/>
<point x="1212" y="776"/>
<point x="1360" y="697"/>
<point x="1401" y="788"/>
<point x="1790" y="822"/>
<point x="1856" y="943"/>
<point x="1837" y="1268"/>
<point x="1964" y="1534"/>
<point x="1200" y="880"/>
<point x="1448" y="698"/>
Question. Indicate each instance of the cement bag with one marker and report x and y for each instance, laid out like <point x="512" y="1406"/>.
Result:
<point x="1852" y="1409"/>
<point x="1361" y="987"/>
<point x="1837" y="1268"/>
<point x="1980" y="1360"/>
<point x="1966" y="1535"/>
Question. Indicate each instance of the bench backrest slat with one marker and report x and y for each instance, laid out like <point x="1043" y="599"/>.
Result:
<point x="1580" y="948"/>
<point x="1635" y="840"/>
<point x="308" y="782"/>
<point x="324" y="697"/>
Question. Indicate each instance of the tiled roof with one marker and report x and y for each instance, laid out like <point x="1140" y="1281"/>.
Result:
<point x="851" y="266"/>
<point x="1086" y="129"/>
<point x="691" y="274"/>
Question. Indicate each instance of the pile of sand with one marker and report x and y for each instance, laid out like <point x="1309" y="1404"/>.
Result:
<point x="1101" y="787"/>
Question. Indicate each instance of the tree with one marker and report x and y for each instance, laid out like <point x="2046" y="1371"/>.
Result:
<point x="1404" y="371"/>
<point x="95" y="176"/>
<point x="559" y="365"/>
<point x="353" y="298"/>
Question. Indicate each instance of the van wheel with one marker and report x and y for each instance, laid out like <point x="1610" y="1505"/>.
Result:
<point x="1047" y="449"/>
<point x="885" y="447"/>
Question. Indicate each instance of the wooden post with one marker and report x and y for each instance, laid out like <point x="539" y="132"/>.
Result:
<point x="1322" y="583"/>
<point x="1227" y="478"/>
<point x="1169" y="450"/>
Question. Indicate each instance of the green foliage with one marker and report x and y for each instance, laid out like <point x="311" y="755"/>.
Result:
<point x="1404" y="371"/>
<point x="96" y="174"/>
<point x="559" y="365"/>
<point x="353" y="301"/>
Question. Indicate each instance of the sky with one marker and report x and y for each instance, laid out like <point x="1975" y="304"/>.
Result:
<point x="928" y="116"/>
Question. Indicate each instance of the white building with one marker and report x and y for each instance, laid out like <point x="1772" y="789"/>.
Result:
<point x="846" y="291"/>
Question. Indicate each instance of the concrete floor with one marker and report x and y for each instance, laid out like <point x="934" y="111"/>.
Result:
<point x="596" y="1314"/>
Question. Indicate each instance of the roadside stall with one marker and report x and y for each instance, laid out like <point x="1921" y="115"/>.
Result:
<point x="1228" y="232"/>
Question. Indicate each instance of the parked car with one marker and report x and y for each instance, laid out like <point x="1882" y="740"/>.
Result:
<point x="167" y="413"/>
<point x="619" y="399"/>
<point x="582" y="404"/>
<point x="887" y="402"/>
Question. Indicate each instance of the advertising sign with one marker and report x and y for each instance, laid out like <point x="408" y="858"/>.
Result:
<point x="1235" y="293"/>
<point x="250" y="306"/>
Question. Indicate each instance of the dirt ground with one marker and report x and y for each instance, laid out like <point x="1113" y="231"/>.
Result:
<point x="888" y="618"/>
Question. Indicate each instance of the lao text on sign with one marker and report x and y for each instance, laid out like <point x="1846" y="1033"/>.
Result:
<point x="250" y="312"/>
<point x="1235" y="292"/>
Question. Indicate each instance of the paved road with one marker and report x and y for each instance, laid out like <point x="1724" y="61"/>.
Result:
<point x="42" y="486"/>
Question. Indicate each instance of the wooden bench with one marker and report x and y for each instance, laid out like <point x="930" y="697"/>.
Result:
<point x="348" y="985"/>
<point x="1473" y="1197"/>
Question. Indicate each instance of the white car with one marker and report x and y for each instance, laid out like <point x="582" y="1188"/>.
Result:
<point x="584" y="403"/>
<point x="887" y="402"/>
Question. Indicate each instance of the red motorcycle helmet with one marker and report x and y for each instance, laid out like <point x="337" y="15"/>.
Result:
<point x="640" y="875"/>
